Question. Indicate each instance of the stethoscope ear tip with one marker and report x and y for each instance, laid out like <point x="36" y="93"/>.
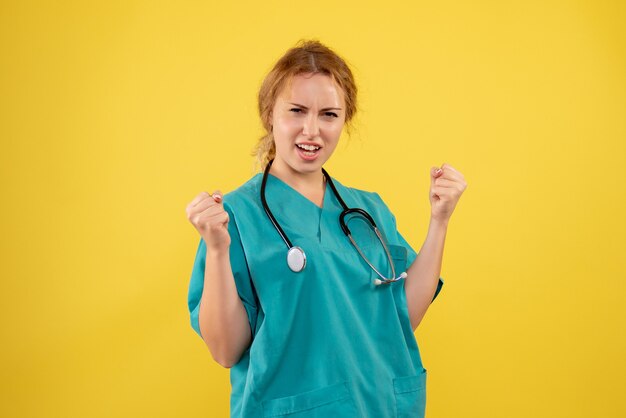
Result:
<point x="403" y="275"/>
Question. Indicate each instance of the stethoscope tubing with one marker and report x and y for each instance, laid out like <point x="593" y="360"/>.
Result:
<point x="267" y="209"/>
<point x="346" y="211"/>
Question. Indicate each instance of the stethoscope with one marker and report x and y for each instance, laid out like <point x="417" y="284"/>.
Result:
<point x="296" y="258"/>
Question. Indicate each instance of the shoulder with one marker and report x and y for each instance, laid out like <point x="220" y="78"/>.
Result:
<point x="244" y="201"/>
<point x="246" y="192"/>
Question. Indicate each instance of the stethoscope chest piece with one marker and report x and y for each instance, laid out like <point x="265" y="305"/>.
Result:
<point x="296" y="259"/>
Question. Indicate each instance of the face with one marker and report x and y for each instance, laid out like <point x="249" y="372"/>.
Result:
<point x="307" y="121"/>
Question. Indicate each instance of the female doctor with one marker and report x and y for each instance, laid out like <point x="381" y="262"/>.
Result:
<point x="303" y="286"/>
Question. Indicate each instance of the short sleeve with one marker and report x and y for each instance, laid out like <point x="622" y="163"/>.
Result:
<point x="241" y="274"/>
<point x="411" y="253"/>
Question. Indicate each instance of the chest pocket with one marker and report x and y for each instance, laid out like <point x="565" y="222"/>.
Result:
<point x="378" y="257"/>
<point x="399" y="255"/>
<point x="325" y="402"/>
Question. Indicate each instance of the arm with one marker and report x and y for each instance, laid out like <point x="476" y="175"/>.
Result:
<point x="423" y="274"/>
<point x="218" y="278"/>
<point x="447" y="185"/>
<point x="223" y="320"/>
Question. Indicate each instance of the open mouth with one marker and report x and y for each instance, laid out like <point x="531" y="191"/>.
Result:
<point x="308" y="150"/>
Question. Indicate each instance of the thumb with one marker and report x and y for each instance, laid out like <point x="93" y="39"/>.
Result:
<point x="217" y="196"/>
<point x="434" y="173"/>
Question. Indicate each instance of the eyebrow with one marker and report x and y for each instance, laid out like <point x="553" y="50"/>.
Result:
<point x="304" y="107"/>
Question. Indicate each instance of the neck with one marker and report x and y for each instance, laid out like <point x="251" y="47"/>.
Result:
<point x="296" y="179"/>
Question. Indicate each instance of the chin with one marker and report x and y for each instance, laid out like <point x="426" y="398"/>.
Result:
<point x="305" y="169"/>
<point x="308" y="167"/>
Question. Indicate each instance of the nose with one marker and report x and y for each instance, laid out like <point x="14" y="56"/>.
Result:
<point x="311" y="126"/>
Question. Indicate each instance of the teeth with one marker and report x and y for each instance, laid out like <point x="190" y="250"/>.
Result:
<point x="308" y="147"/>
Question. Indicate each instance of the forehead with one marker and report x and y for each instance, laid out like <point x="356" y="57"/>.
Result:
<point x="317" y="87"/>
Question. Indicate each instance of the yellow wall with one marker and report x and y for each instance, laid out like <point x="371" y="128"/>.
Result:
<point x="113" y="116"/>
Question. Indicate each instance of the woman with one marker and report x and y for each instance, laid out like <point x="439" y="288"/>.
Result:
<point x="310" y="323"/>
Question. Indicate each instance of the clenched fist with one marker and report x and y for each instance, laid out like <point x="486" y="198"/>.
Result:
<point x="447" y="184"/>
<point x="206" y="213"/>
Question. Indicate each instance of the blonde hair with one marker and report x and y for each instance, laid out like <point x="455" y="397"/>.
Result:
<point x="308" y="56"/>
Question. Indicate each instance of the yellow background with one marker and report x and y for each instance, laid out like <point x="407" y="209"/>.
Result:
<point x="114" y="115"/>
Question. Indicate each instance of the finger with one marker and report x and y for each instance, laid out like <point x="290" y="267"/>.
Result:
<point x="200" y="203"/>
<point x="204" y="205"/>
<point x="212" y="209"/>
<point x="452" y="175"/>
<point x="197" y="199"/>
<point x="216" y="195"/>
<point x="442" y="182"/>
<point x="447" y="166"/>
<point x="218" y="220"/>
<point x="451" y="170"/>
<point x="207" y="200"/>
<point x="208" y="216"/>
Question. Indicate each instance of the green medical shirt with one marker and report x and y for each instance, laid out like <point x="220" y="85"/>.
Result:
<point x="326" y="342"/>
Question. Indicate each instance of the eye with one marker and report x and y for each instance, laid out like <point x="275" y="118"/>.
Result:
<point x="295" y="110"/>
<point x="333" y="114"/>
